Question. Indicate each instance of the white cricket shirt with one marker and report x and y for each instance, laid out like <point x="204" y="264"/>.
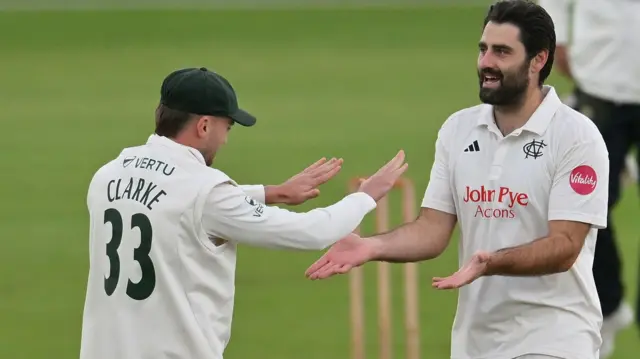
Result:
<point x="604" y="45"/>
<point x="164" y="230"/>
<point x="504" y="190"/>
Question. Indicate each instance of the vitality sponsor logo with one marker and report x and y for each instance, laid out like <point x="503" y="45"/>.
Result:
<point x="583" y="180"/>
<point x="495" y="203"/>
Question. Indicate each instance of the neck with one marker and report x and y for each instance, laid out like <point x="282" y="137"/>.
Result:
<point x="511" y="117"/>
<point x="188" y="140"/>
<point x="184" y="139"/>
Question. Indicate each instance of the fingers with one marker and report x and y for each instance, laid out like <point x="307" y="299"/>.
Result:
<point x="326" y="266"/>
<point x="311" y="194"/>
<point x="446" y="284"/>
<point x="327" y="166"/>
<point x="330" y="269"/>
<point x="326" y="176"/>
<point x="324" y="172"/>
<point x="315" y="165"/>
<point x="343" y="269"/>
<point x="396" y="161"/>
<point x="393" y="162"/>
<point x="450" y="282"/>
<point x="462" y="277"/>
<point x="398" y="172"/>
<point x="317" y="265"/>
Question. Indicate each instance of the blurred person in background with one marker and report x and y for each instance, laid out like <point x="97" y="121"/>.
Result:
<point x="598" y="48"/>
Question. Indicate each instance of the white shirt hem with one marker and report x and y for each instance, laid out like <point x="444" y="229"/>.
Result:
<point x="596" y="221"/>
<point x="440" y="206"/>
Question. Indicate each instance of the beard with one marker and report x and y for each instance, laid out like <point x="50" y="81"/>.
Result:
<point x="511" y="88"/>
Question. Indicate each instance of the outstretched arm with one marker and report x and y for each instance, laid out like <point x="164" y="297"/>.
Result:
<point x="228" y="214"/>
<point x="425" y="238"/>
<point x="428" y="236"/>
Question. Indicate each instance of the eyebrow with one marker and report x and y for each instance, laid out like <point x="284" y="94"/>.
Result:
<point x="499" y="47"/>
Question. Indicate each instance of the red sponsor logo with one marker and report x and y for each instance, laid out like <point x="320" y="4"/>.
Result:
<point x="503" y="195"/>
<point x="583" y="180"/>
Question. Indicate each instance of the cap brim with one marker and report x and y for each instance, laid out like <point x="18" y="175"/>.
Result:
<point x="243" y="117"/>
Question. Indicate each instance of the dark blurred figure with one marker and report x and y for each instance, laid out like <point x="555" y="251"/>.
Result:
<point x="598" y="47"/>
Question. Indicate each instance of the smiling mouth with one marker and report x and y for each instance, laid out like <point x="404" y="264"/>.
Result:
<point x="490" y="81"/>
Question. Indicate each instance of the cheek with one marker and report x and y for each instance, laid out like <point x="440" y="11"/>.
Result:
<point x="221" y="135"/>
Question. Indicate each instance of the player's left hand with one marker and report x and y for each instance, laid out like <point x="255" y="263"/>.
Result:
<point x="304" y="186"/>
<point x="472" y="270"/>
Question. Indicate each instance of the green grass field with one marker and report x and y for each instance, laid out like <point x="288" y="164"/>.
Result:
<point x="360" y="84"/>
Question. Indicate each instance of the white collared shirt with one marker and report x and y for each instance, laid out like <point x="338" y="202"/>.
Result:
<point x="504" y="190"/>
<point x="164" y="230"/>
<point x="604" y="45"/>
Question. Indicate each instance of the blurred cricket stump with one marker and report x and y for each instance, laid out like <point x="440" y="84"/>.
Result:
<point x="356" y="286"/>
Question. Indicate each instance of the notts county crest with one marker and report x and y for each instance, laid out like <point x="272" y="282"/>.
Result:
<point x="533" y="149"/>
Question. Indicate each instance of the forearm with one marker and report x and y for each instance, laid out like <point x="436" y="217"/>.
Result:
<point x="543" y="256"/>
<point x="227" y="214"/>
<point x="422" y="239"/>
<point x="316" y="229"/>
<point x="407" y="243"/>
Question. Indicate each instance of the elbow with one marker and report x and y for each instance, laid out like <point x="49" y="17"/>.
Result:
<point x="567" y="263"/>
<point x="564" y="266"/>
<point x="436" y="252"/>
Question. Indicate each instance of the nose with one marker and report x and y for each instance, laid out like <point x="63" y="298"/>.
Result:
<point x="486" y="60"/>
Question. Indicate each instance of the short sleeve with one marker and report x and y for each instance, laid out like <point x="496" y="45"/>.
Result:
<point x="580" y="188"/>
<point x="438" y="194"/>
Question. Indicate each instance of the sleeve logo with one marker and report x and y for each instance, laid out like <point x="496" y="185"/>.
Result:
<point x="251" y="201"/>
<point x="259" y="207"/>
<point x="583" y="180"/>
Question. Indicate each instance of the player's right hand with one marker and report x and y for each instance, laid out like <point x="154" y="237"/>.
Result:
<point x="349" y="252"/>
<point x="381" y="182"/>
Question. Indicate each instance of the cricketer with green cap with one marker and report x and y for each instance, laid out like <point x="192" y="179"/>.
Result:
<point x="203" y="92"/>
<point x="165" y="225"/>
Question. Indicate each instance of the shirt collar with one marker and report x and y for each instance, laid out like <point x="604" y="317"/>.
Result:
<point x="540" y="119"/>
<point x="167" y="142"/>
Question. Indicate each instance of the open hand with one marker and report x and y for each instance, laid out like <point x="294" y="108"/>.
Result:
<point x="349" y="252"/>
<point x="304" y="186"/>
<point x="381" y="182"/>
<point x="472" y="270"/>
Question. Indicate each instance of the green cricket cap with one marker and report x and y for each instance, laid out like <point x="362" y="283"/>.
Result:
<point x="203" y="92"/>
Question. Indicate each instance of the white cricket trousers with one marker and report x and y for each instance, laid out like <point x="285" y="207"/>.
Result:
<point x="536" y="356"/>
